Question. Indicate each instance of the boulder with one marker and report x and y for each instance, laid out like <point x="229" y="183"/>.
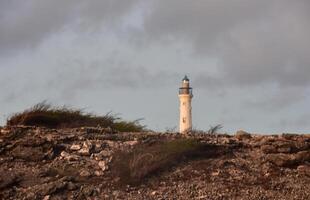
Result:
<point x="301" y="157"/>
<point x="280" y="160"/>
<point x="226" y="140"/>
<point x="51" y="187"/>
<point x="240" y="135"/>
<point x="22" y="152"/>
<point x="288" y="160"/>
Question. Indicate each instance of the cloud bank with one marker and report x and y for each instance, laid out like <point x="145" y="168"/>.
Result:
<point x="254" y="53"/>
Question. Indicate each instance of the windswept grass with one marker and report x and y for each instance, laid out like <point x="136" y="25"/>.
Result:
<point x="147" y="160"/>
<point x="214" y="129"/>
<point x="46" y="115"/>
<point x="127" y="126"/>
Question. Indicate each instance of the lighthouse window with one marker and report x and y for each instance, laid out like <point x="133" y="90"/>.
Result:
<point x="184" y="103"/>
<point x="184" y="119"/>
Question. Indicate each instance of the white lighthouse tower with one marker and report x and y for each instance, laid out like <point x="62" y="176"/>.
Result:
<point x="185" y="96"/>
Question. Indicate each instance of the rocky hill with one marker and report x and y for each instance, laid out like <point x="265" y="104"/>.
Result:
<point x="95" y="163"/>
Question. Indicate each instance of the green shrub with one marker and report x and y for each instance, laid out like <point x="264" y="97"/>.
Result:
<point x="44" y="114"/>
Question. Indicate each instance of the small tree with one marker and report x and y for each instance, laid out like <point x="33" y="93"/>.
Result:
<point x="214" y="129"/>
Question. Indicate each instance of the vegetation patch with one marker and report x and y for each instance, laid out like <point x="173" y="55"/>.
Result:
<point x="46" y="115"/>
<point x="149" y="159"/>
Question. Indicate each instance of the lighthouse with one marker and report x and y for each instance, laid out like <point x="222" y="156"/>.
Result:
<point x="185" y="96"/>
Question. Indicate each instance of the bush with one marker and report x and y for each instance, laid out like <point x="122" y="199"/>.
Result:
<point x="128" y="126"/>
<point x="147" y="160"/>
<point x="44" y="114"/>
<point x="214" y="129"/>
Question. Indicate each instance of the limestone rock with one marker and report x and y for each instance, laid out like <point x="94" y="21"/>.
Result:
<point x="284" y="149"/>
<point x="112" y="144"/>
<point x="84" y="152"/>
<point x="102" y="164"/>
<point x="5" y="131"/>
<point x="105" y="153"/>
<point x="75" y="147"/>
<point x="261" y="167"/>
<point x="131" y="143"/>
<point x="51" y="187"/>
<point x="240" y="135"/>
<point x="98" y="173"/>
<point x="304" y="169"/>
<point x="280" y="160"/>
<point x="289" y="160"/>
<point x="98" y="147"/>
<point x="301" y="157"/>
<point x="85" y="173"/>
<point x="268" y="149"/>
<point x="28" y="153"/>
<point x="69" y="157"/>
<point x="8" y="180"/>
<point x="71" y="186"/>
<point x="47" y="197"/>
<point x="86" y="149"/>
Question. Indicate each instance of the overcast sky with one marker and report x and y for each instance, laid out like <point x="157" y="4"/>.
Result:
<point x="248" y="61"/>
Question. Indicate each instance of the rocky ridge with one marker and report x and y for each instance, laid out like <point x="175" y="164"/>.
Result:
<point x="40" y="163"/>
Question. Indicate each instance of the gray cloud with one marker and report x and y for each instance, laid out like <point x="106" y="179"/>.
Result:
<point x="278" y="100"/>
<point x="79" y="76"/>
<point x="254" y="41"/>
<point x="105" y="76"/>
<point x="28" y="23"/>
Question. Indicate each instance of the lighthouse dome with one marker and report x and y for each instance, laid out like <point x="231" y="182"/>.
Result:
<point x="185" y="78"/>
